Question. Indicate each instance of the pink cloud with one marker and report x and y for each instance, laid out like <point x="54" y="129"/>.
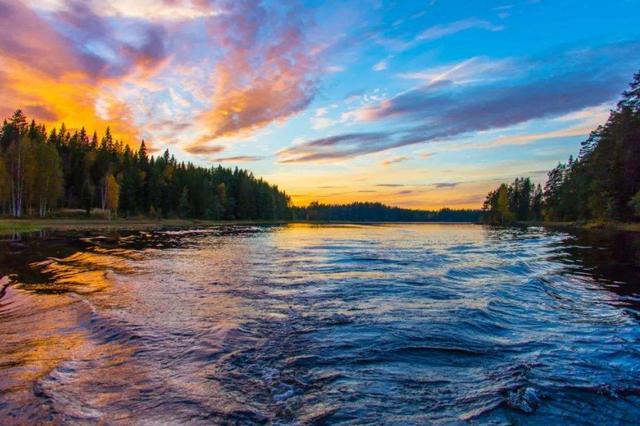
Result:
<point x="266" y="71"/>
<point x="204" y="149"/>
<point x="47" y="70"/>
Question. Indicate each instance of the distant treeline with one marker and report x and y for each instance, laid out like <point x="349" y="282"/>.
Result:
<point x="377" y="212"/>
<point x="41" y="171"/>
<point x="602" y="183"/>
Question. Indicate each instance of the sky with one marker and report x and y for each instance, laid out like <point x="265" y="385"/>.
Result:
<point x="419" y="104"/>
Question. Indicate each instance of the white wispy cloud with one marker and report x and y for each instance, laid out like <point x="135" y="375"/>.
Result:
<point x="467" y="71"/>
<point x="380" y="66"/>
<point x="334" y="69"/>
<point x="140" y="9"/>
<point x="439" y="31"/>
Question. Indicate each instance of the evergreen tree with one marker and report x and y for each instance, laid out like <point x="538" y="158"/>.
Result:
<point x="184" y="208"/>
<point x="86" y="197"/>
<point x="602" y="183"/>
<point x="537" y="204"/>
<point x="4" y="185"/>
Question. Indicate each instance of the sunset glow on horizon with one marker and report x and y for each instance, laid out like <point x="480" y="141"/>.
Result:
<point x="418" y="104"/>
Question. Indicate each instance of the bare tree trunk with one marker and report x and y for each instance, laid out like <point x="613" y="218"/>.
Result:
<point x="17" y="184"/>
<point x="43" y="197"/>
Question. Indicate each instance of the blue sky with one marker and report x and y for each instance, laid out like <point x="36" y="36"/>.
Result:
<point x="420" y="104"/>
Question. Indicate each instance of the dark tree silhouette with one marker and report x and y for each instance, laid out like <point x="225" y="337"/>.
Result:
<point x="89" y="169"/>
<point x="602" y="183"/>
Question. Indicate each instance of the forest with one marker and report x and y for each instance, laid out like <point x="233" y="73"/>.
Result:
<point x="601" y="184"/>
<point x="41" y="171"/>
<point x="377" y="212"/>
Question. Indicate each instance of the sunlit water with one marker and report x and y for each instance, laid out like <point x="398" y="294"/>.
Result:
<point x="300" y="324"/>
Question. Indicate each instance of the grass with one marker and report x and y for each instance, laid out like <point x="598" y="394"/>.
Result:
<point x="8" y="227"/>
<point x="11" y="226"/>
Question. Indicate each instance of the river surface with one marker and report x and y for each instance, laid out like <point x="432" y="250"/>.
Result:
<point x="304" y="324"/>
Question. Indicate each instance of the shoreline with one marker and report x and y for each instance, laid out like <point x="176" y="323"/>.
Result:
<point x="13" y="225"/>
<point x="588" y="226"/>
<point x="25" y="225"/>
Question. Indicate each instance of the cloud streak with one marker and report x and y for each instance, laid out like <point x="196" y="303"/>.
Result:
<point x="441" y="185"/>
<point x="335" y="147"/>
<point x="395" y="160"/>
<point x="204" y="149"/>
<point x="237" y="159"/>
<point x="445" y="111"/>
<point x="162" y="10"/>
<point x="439" y="31"/>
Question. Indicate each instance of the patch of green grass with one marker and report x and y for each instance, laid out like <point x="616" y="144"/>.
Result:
<point x="9" y="226"/>
<point x="12" y="227"/>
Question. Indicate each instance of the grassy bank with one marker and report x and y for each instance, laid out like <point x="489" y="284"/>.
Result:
<point x="10" y="226"/>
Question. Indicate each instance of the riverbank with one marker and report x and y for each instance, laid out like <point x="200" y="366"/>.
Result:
<point x="10" y="226"/>
<point x="604" y="226"/>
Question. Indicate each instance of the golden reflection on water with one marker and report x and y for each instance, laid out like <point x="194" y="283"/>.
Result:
<point x="82" y="272"/>
<point x="49" y="313"/>
<point x="42" y="319"/>
<point x="162" y="292"/>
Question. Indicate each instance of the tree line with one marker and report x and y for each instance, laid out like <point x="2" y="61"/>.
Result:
<point x="41" y="171"/>
<point x="378" y="212"/>
<point x="601" y="183"/>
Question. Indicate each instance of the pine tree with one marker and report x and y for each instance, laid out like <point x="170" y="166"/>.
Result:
<point x="184" y="208"/>
<point x="536" y="204"/>
<point x="4" y="184"/>
<point x="35" y="162"/>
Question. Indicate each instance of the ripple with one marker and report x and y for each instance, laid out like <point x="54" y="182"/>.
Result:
<point x="393" y="324"/>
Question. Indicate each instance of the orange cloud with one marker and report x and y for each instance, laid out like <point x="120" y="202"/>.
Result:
<point x="70" y="98"/>
<point x="395" y="160"/>
<point x="54" y="80"/>
<point x="265" y="73"/>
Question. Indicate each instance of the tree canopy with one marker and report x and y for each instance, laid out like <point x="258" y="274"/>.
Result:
<point x="602" y="183"/>
<point x="42" y="170"/>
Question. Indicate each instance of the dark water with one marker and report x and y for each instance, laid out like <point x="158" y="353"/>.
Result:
<point x="397" y="324"/>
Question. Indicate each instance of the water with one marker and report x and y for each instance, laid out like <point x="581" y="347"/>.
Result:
<point x="301" y="324"/>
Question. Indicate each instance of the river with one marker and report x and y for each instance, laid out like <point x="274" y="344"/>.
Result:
<point x="314" y="324"/>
